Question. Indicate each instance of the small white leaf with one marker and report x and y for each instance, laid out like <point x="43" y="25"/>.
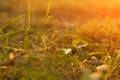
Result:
<point x="66" y="51"/>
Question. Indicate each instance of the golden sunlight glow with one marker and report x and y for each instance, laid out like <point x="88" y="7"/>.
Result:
<point x="107" y="3"/>
<point x="104" y="7"/>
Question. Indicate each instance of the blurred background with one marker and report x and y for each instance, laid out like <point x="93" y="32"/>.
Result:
<point x="64" y="10"/>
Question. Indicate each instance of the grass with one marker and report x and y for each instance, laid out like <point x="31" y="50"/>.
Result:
<point x="57" y="54"/>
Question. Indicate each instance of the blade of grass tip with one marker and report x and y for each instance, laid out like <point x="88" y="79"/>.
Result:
<point x="11" y="21"/>
<point x="29" y="13"/>
<point x="48" y="8"/>
<point x="47" y="13"/>
<point x="47" y="19"/>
